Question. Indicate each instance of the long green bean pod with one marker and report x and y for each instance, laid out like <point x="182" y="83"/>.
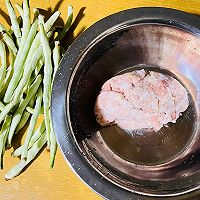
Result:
<point x="3" y="54"/>
<point x="20" y="10"/>
<point x="32" y="124"/>
<point x="9" y="73"/>
<point x="14" y="21"/>
<point x="4" y="64"/>
<point x="47" y="77"/>
<point x="67" y="25"/>
<point x="23" y="121"/>
<point x="39" y="65"/>
<point x="1" y="106"/>
<point x="30" y="110"/>
<point x="56" y="57"/>
<point x="40" y="62"/>
<point x="8" y="39"/>
<point x="26" y="21"/>
<point x="25" y="116"/>
<point x="53" y="144"/>
<point x="3" y="137"/>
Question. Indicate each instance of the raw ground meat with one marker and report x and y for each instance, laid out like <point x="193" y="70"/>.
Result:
<point x="138" y="100"/>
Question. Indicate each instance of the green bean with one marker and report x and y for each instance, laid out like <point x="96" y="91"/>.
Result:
<point x="10" y="31"/>
<point x="53" y="145"/>
<point x="9" y="73"/>
<point x="22" y="123"/>
<point x="19" y="63"/>
<point x="26" y="21"/>
<point x="4" y="64"/>
<point x="56" y="56"/>
<point x="51" y="140"/>
<point x="36" y="13"/>
<point x="3" y="29"/>
<point x="25" y="116"/>
<point x="32" y="101"/>
<point x="3" y="54"/>
<point x="20" y="10"/>
<point x="49" y="23"/>
<point x="47" y="77"/>
<point x="37" y="134"/>
<point x="32" y="152"/>
<point x="2" y="76"/>
<point x="3" y="138"/>
<point x="12" y="57"/>
<point x="67" y="25"/>
<point x="8" y="39"/>
<point x="1" y="106"/>
<point x="42" y="110"/>
<point x="40" y="62"/>
<point x="39" y="65"/>
<point x="14" y="21"/>
<point x="32" y="124"/>
<point x="30" y="110"/>
<point x="40" y="130"/>
<point x="18" y="114"/>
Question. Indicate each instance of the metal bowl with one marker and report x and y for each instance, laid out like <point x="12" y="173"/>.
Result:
<point x="145" y="164"/>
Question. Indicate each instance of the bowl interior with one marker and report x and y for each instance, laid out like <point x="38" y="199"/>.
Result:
<point x="144" y="161"/>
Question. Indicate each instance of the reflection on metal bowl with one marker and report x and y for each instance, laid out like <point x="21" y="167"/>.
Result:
<point x="114" y="163"/>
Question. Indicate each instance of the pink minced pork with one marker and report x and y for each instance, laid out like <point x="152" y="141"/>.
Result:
<point x="138" y="100"/>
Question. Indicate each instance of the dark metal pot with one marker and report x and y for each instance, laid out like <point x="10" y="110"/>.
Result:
<point x="147" y="164"/>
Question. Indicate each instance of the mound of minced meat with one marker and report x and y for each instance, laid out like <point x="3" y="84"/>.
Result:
<point x="140" y="99"/>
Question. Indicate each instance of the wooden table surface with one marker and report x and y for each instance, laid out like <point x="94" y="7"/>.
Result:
<point x="38" y="182"/>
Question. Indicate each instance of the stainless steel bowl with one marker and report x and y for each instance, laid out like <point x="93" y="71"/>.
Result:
<point x="145" y="164"/>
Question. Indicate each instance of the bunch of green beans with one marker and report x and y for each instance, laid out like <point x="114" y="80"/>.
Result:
<point x="33" y="49"/>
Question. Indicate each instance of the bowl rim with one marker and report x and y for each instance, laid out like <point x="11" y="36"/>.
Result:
<point x="72" y="155"/>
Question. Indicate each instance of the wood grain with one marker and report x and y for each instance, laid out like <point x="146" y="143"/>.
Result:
<point x="38" y="182"/>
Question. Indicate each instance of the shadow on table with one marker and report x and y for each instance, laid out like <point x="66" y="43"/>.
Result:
<point x="17" y="138"/>
<point x="17" y="143"/>
<point x="69" y="37"/>
<point x="5" y="16"/>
